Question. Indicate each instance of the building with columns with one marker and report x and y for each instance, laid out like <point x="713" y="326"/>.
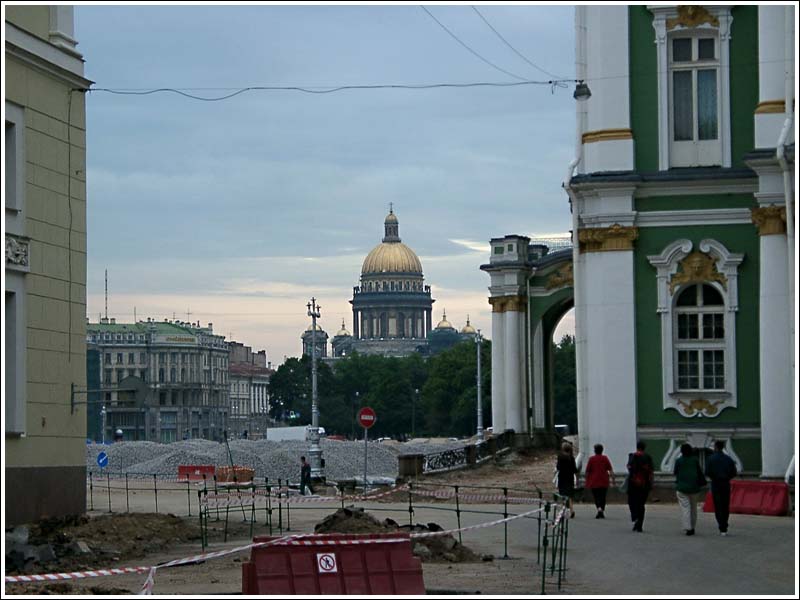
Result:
<point x="392" y="306"/>
<point x="681" y="272"/>
<point x="45" y="264"/>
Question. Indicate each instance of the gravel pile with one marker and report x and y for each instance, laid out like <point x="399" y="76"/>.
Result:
<point x="343" y="459"/>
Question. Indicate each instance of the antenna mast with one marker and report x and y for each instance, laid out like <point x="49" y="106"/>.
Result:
<point x="106" y="294"/>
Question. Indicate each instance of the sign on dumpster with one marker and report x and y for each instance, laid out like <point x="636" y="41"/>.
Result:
<point x="326" y="563"/>
<point x="366" y="417"/>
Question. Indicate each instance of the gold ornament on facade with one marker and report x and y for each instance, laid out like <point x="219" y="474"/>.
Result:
<point x="561" y="278"/>
<point x="692" y="16"/>
<point x="770" y="220"/>
<point x="498" y="304"/>
<point x="607" y="239"/>
<point x="606" y="135"/>
<point x="697" y="267"/>
<point x="502" y="304"/>
<point x="770" y="107"/>
<point x="700" y="406"/>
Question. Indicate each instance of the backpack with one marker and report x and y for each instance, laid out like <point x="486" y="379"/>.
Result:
<point x="641" y="472"/>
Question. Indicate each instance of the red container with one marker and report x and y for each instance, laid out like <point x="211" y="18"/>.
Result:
<point x="328" y="567"/>
<point x="195" y="472"/>
<point x="755" y="498"/>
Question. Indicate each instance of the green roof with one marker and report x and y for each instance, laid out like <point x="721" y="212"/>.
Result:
<point x="156" y="326"/>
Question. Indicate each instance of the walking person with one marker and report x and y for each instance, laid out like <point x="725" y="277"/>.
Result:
<point x="598" y="473"/>
<point x="567" y="470"/>
<point x="689" y="481"/>
<point x="720" y="469"/>
<point x="640" y="482"/>
<point x="305" y="476"/>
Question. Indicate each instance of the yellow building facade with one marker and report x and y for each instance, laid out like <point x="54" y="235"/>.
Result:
<point x="45" y="266"/>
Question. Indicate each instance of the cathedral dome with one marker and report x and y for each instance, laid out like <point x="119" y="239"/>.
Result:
<point x="468" y="329"/>
<point x="343" y="330"/>
<point x="391" y="255"/>
<point x="444" y="323"/>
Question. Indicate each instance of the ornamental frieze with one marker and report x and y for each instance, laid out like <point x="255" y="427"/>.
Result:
<point x="697" y="267"/>
<point x="607" y="239"/>
<point x="692" y="16"/>
<point x="699" y="407"/>
<point x="561" y="278"/>
<point x="770" y="220"/>
<point x="502" y="304"/>
<point x="17" y="253"/>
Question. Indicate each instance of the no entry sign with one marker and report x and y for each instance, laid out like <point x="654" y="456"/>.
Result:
<point x="366" y="417"/>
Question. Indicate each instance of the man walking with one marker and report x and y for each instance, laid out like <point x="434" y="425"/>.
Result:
<point x="305" y="476"/>
<point x="720" y="469"/>
<point x="640" y="482"/>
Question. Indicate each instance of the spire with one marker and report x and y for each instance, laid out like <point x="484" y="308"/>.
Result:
<point x="391" y="227"/>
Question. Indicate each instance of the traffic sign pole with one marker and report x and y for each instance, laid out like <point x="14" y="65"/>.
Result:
<point x="366" y="418"/>
<point x="366" y="429"/>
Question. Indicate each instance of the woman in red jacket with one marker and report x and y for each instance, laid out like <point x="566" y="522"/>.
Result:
<point x="598" y="472"/>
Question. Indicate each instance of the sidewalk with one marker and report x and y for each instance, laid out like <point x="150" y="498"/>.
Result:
<point x="606" y="557"/>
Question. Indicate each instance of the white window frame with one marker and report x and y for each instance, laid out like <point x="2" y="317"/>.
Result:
<point x="666" y="264"/>
<point x="694" y="152"/>
<point x="661" y="14"/>
<point x="699" y="344"/>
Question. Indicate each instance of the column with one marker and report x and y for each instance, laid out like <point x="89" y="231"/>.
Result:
<point x="513" y="372"/>
<point x="498" y="373"/>
<point x="607" y="140"/>
<point x="537" y="358"/>
<point x="355" y="324"/>
<point x="775" y="348"/>
<point x="771" y="109"/>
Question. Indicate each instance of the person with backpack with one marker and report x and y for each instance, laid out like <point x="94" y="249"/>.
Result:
<point x="640" y="482"/>
<point x="689" y="481"/>
<point x="720" y="469"/>
<point x="566" y="472"/>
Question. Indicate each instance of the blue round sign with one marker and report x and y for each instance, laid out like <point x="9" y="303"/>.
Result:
<point x="102" y="460"/>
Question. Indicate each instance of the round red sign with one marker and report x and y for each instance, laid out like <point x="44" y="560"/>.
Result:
<point x="367" y="417"/>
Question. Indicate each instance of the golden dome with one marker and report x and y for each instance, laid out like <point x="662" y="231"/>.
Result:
<point x="468" y="328"/>
<point x="444" y="323"/>
<point x="343" y="330"/>
<point x="318" y="328"/>
<point x="391" y="257"/>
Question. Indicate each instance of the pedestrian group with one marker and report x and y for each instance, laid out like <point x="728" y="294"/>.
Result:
<point x="690" y="482"/>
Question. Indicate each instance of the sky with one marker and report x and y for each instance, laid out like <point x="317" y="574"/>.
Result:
<point x="237" y="212"/>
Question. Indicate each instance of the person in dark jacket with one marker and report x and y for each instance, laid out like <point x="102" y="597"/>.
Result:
<point x="640" y="482"/>
<point x="598" y="473"/>
<point x="305" y="476"/>
<point x="720" y="469"/>
<point x="689" y="480"/>
<point x="567" y="469"/>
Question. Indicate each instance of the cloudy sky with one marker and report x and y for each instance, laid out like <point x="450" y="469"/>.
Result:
<point x="238" y="211"/>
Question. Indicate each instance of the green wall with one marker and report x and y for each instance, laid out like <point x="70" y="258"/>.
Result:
<point x="643" y="88"/>
<point x="736" y="238"/>
<point x="744" y="80"/>
<point x="706" y="201"/>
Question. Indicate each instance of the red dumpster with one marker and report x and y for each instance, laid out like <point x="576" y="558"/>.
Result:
<point x="341" y="564"/>
<point x="755" y="498"/>
<point x="195" y="472"/>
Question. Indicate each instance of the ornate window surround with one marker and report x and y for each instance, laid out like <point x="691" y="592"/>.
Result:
<point x="707" y="403"/>
<point x="673" y="19"/>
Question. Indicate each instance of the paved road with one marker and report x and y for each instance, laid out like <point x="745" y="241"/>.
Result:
<point x="606" y="557"/>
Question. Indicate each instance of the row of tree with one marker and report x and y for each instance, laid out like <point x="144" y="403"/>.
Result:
<point x="411" y="395"/>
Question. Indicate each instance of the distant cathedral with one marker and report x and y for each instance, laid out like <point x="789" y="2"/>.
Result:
<point x="392" y="307"/>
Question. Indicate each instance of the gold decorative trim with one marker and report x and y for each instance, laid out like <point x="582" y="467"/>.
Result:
<point x="700" y="406"/>
<point x="692" y="16"/>
<point x="607" y="239"/>
<point x="498" y="304"/>
<point x="516" y="304"/>
<point x="770" y="107"/>
<point x="605" y="135"/>
<point x="561" y="278"/>
<point x="697" y="267"/>
<point x="770" y="220"/>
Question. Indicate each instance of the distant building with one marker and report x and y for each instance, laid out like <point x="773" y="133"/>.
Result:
<point x="45" y="264"/>
<point x="342" y="342"/>
<point x="249" y="391"/>
<point x="321" y="342"/>
<point x="184" y="368"/>
<point x="445" y="336"/>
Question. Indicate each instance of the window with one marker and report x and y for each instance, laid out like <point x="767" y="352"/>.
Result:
<point x="107" y="376"/>
<point x="131" y="358"/>
<point x="15" y="354"/>
<point x="700" y="343"/>
<point x="142" y="358"/>
<point x="119" y="358"/>
<point x="693" y="58"/>
<point x="697" y="304"/>
<point x="108" y="358"/>
<point x="694" y="98"/>
<point x="15" y="159"/>
<point x="172" y="375"/>
<point x="161" y="375"/>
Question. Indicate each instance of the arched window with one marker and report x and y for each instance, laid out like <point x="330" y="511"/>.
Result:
<point x="700" y="338"/>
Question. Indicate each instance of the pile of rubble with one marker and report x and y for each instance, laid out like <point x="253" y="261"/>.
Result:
<point x="440" y="548"/>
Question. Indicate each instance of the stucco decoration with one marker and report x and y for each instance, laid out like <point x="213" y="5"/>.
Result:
<point x="698" y="440"/>
<point x="563" y="277"/>
<point x="692" y="16"/>
<point x="607" y="239"/>
<point x="676" y="267"/>
<point x="17" y="253"/>
<point x="770" y="220"/>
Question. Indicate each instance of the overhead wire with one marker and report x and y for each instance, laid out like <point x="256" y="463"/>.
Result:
<point x="456" y="38"/>
<point x="517" y="52"/>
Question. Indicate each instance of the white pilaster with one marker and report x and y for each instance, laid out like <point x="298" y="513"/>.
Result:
<point x="513" y="371"/>
<point x="610" y="326"/>
<point x="771" y="75"/>
<point x="537" y="358"/>
<point x="498" y="373"/>
<point x="607" y="142"/>
<point x="775" y="358"/>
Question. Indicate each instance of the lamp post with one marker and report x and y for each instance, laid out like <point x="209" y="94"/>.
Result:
<point x="315" y="452"/>
<point x="413" y="413"/>
<point x="478" y="340"/>
<point x="103" y="414"/>
<point x="353" y="421"/>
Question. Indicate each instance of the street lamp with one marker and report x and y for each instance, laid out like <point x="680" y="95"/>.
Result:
<point x="478" y="340"/>
<point x="353" y="422"/>
<point x="315" y="452"/>
<point x="103" y="414"/>
<point x="413" y="413"/>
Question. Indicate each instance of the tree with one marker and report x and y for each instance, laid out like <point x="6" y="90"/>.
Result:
<point x="564" y="385"/>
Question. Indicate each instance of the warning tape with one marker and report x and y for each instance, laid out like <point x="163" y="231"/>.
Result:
<point x="289" y="540"/>
<point x="477" y="497"/>
<point x="228" y="498"/>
